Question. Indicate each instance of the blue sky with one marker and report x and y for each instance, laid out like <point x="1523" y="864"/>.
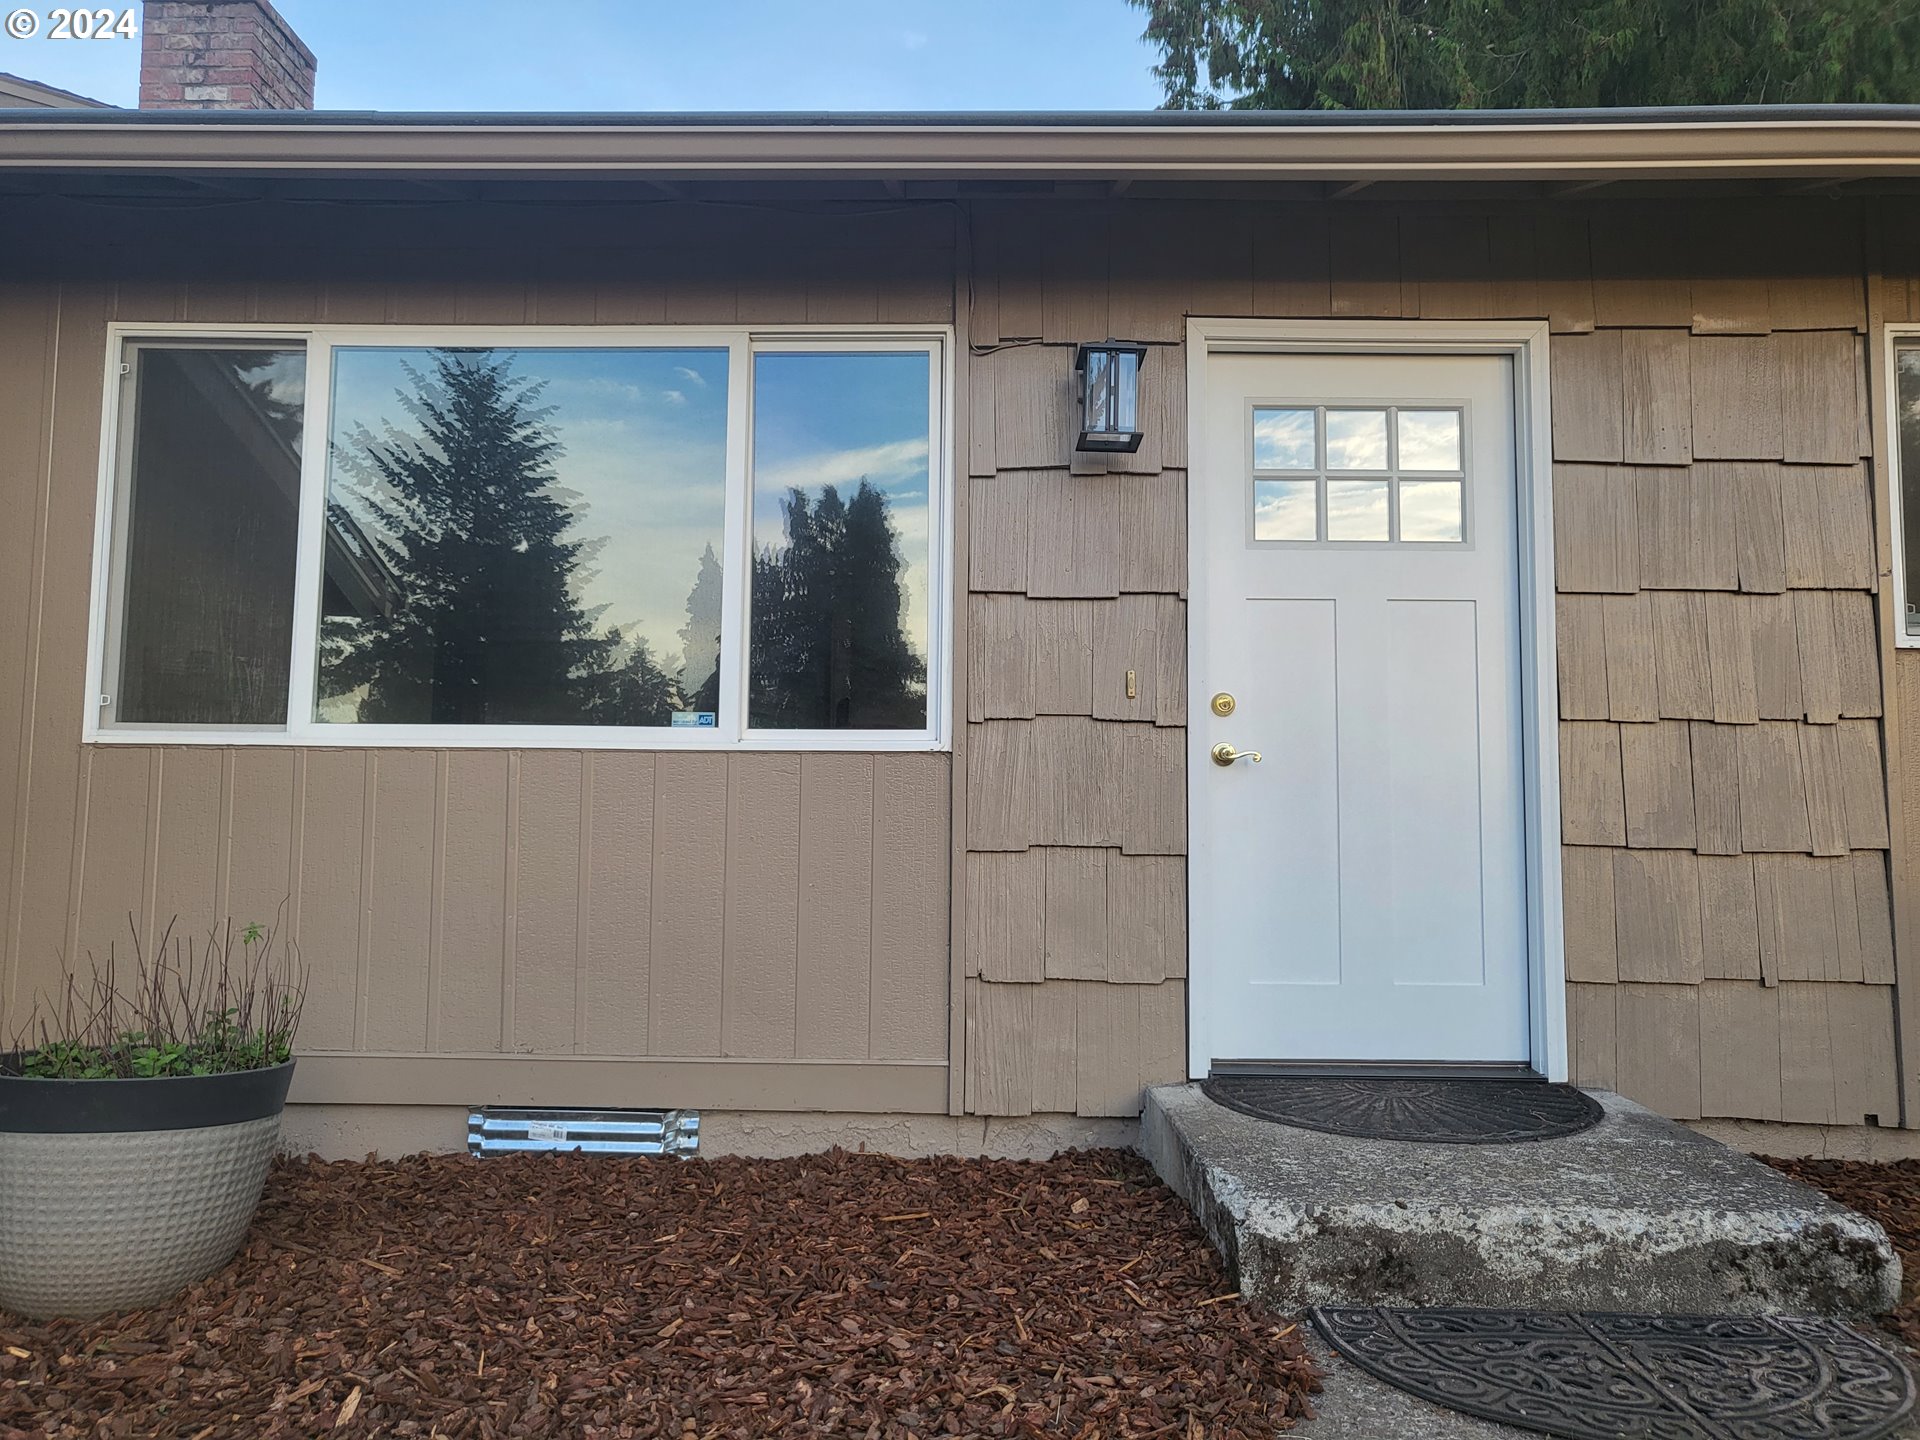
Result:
<point x="721" y="55"/>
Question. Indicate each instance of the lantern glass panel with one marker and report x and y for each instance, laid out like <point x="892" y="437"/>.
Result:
<point x="1112" y="392"/>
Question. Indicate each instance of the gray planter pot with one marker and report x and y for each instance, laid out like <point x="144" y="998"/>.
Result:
<point x="116" y="1194"/>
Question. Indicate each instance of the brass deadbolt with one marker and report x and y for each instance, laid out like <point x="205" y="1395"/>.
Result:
<point x="1223" y="704"/>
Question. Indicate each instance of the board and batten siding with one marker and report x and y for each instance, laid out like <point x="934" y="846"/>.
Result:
<point x="750" y="930"/>
<point x="1729" y="931"/>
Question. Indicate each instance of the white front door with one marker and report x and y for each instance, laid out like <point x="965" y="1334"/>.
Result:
<point x="1359" y="894"/>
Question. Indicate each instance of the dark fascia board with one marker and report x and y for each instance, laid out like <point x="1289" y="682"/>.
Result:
<point x="1810" y="142"/>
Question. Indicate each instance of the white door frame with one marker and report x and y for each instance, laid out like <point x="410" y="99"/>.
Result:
<point x="1526" y="342"/>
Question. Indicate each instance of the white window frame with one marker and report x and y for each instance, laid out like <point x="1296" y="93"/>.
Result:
<point x="1903" y="583"/>
<point x="731" y="733"/>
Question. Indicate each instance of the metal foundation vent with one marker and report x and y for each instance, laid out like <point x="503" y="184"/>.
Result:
<point x="505" y="1130"/>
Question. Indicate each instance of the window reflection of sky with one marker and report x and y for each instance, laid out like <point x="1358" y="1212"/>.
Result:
<point x="643" y="462"/>
<point x="1282" y="439"/>
<point x="1343" y="506"/>
<point x="836" y="419"/>
<point x="1284" y="510"/>
<point x="1356" y="439"/>
<point x="1357" y="510"/>
<point x="1429" y="439"/>
<point x="1430" y="510"/>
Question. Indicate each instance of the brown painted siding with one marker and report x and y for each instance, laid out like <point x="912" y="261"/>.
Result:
<point x="1724" y="800"/>
<point x="1729" y="921"/>
<point x="549" y="902"/>
<point x="700" y="912"/>
<point x="1076" y="796"/>
<point x="1726" y="830"/>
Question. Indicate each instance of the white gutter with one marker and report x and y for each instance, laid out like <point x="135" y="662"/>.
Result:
<point x="1824" y="147"/>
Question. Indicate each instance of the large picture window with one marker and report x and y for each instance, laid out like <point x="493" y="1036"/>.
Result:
<point x="675" y="538"/>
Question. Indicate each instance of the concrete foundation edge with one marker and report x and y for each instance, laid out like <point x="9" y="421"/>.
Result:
<point x="353" y="1132"/>
<point x="1818" y="1142"/>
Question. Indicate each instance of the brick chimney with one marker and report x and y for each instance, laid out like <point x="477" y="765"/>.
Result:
<point x="222" y="55"/>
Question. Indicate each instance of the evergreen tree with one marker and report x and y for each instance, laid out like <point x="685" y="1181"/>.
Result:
<point x="828" y="650"/>
<point x="282" y="417"/>
<point x="468" y="520"/>
<point x="1467" y="54"/>
<point x="700" y="637"/>
<point x="635" y="690"/>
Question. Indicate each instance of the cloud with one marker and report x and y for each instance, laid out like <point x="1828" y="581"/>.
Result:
<point x="690" y="375"/>
<point x="887" y="465"/>
<point x="674" y="397"/>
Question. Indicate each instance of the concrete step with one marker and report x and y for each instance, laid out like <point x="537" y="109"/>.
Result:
<point x="1636" y="1214"/>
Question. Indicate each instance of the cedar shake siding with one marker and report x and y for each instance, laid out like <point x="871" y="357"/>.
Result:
<point x="1728" y="918"/>
<point x="1003" y="930"/>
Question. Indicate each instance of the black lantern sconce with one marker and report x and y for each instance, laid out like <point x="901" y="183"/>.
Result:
<point x="1109" y="397"/>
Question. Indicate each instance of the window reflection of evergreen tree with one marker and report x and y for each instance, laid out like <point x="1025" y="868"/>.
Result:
<point x="285" y="417"/>
<point x="485" y="625"/>
<point x="828" y="650"/>
<point x="634" y="690"/>
<point x="700" y="638"/>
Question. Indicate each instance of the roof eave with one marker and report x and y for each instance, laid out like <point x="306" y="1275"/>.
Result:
<point x="1690" y="148"/>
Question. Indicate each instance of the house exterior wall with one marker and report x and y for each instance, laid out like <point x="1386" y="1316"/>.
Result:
<point x="1729" y="935"/>
<point x="743" y="931"/>
<point x="763" y="932"/>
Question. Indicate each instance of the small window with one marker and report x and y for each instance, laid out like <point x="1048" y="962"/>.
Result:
<point x="1377" y="476"/>
<point x="207" y="525"/>
<point x="1907" y="422"/>
<point x="643" y="538"/>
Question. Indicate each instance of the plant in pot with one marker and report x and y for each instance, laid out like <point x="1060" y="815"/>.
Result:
<point x="139" y="1111"/>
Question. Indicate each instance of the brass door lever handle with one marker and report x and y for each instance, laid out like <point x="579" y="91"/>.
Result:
<point x="1225" y="754"/>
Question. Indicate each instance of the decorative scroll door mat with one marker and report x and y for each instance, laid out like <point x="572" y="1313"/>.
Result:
<point x="1648" y="1377"/>
<point x="1444" y="1112"/>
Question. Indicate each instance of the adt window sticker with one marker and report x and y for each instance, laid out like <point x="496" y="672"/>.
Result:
<point x="704" y="719"/>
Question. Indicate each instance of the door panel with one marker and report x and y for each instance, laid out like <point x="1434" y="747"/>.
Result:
<point x="1301" y="860"/>
<point x="1360" y="890"/>
<point x="1433" y="789"/>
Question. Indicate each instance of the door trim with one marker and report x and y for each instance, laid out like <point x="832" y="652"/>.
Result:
<point x="1526" y="342"/>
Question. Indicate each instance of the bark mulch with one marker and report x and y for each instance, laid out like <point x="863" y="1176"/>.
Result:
<point x="1887" y="1191"/>
<point x="838" y="1294"/>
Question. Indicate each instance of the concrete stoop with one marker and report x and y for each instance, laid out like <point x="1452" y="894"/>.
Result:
<point x="1636" y="1214"/>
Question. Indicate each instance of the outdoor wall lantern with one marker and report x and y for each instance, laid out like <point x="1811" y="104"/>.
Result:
<point x="1109" y="396"/>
